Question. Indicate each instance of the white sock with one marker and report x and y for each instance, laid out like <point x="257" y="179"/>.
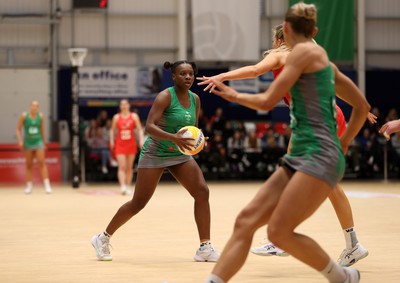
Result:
<point x="350" y="237"/>
<point x="124" y="187"/>
<point x="214" y="279"/>
<point x="334" y="273"/>
<point x="29" y="185"/>
<point x="105" y="234"/>
<point x="46" y="183"/>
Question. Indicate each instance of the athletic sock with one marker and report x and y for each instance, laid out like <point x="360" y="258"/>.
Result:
<point x="334" y="273"/>
<point x="105" y="234"/>
<point x="46" y="183"/>
<point x="124" y="188"/>
<point x="212" y="278"/>
<point x="29" y="185"/>
<point x="350" y="237"/>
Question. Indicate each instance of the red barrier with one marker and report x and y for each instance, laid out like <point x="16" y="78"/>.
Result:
<point x="12" y="164"/>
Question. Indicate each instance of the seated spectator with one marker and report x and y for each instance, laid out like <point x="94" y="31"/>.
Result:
<point x="218" y="120"/>
<point x="99" y="146"/>
<point x="392" y="115"/>
<point x="252" y="143"/>
<point x="269" y="140"/>
<point x="369" y="148"/>
<point x="228" y="131"/>
<point x="90" y="131"/>
<point x="236" y="151"/>
<point x="102" y="118"/>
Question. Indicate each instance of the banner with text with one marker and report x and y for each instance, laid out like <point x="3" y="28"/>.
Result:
<point x="119" y="82"/>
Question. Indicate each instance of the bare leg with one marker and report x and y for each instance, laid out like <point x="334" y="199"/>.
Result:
<point x="342" y="207"/>
<point x="192" y="179"/>
<point x="121" y="159"/>
<point x="130" y="159"/>
<point x="40" y="156"/>
<point x="146" y="183"/>
<point x="29" y="154"/>
<point x="301" y="198"/>
<point x="253" y="216"/>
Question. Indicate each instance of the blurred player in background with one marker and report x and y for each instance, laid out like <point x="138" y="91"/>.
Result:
<point x="123" y="142"/>
<point x="33" y="144"/>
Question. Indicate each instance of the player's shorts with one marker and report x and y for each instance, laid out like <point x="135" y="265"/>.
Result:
<point x="149" y="161"/>
<point x="327" y="165"/>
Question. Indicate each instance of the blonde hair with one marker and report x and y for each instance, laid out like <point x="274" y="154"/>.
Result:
<point x="277" y="32"/>
<point x="302" y="18"/>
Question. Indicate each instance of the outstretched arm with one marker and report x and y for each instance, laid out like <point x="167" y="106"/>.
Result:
<point x="271" y="61"/>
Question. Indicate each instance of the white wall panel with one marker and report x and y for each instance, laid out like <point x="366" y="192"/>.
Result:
<point x="89" y="30"/>
<point x="382" y="8"/>
<point x="391" y="61"/>
<point x="19" y="88"/>
<point x="144" y="7"/>
<point x="143" y="32"/>
<point x="383" y="35"/>
<point x="24" y="6"/>
<point x="24" y="35"/>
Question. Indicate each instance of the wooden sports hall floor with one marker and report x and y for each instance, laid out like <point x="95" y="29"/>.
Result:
<point x="46" y="238"/>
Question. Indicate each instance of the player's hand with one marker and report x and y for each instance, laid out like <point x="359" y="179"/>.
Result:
<point x="181" y="141"/>
<point x="210" y="82"/>
<point x="225" y="92"/>
<point x="111" y="145"/>
<point x="371" y="118"/>
<point x="389" y="128"/>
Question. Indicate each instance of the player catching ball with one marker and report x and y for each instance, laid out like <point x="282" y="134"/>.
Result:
<point x="123" y="142"/>
<point x="33" y="144"/>
<point x="316" y="160"/>
<point x="173" y="108"/>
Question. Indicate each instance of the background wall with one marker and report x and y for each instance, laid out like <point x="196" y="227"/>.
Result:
<point x="18" y="89"/>
<point x="35" y="36"/>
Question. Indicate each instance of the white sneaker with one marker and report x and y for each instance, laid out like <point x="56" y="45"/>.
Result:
<point x="48" y="190"/>
<point x="268" y="250"/>
<point x="28" y="190"/>
<point x="102" y="245"/>
<point x="126" y="192"/>
<point x="206" y="253"/>
<point x="353" y="275"/>
<point x="350" y="257"/>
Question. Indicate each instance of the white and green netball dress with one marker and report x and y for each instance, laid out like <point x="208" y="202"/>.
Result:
<point x="316" y="149"/>
<point x="164" y="153"/>
<point x="33" y="132"/>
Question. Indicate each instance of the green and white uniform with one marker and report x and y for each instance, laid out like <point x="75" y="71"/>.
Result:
<point x="316" y="149"/>
<point x="164" y="153"/>
<point x="33" y="133"/>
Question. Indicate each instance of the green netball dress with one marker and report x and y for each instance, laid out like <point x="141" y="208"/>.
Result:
<point x="33" y="133"/>
<point x="316" y="149"/>
<point x="164" y="153"/>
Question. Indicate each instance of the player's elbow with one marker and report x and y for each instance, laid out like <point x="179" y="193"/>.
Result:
<point x="364" y="106"/>
<point x="266" y="105"/>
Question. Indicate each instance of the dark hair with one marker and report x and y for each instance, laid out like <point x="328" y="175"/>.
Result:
<point x="302" y="18"/>
<point x="172" y="66"/>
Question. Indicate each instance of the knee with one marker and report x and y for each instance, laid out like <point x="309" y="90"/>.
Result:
<point x="29" y="165"/>
<point x="243" y="223"/>
<point x="122" y="167"/>
<point x="202" y="193"/>
<point x="41" y="163"/>
<point x="129" y="170"/>
<point x="278" y="235"/>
